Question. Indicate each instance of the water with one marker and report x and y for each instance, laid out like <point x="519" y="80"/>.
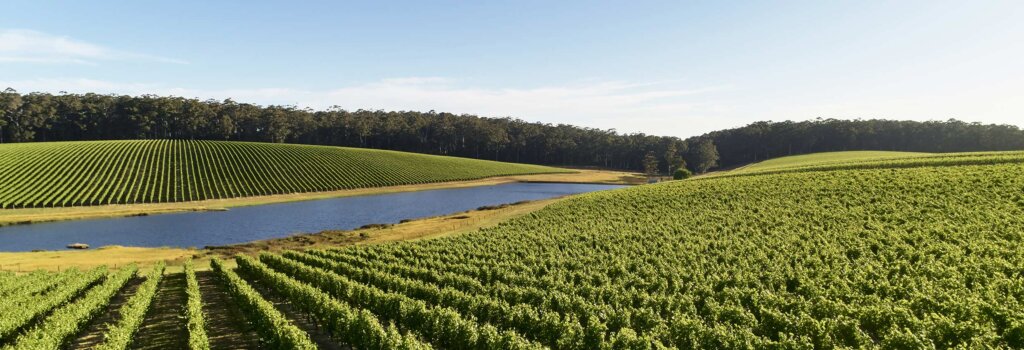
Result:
<point x="244" y="224"/>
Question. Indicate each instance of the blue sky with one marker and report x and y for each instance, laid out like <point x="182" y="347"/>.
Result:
<point x="666" y="68"/>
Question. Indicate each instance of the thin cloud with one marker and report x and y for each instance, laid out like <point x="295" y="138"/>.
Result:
<point x="29" y="46"/>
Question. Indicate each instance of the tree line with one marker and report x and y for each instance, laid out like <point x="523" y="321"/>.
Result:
<point x="763" y="140"/>
<point x="72" y="117"/>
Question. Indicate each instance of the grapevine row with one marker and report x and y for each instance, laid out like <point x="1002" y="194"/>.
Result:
<point x="356" y="327"/>
<point x="120" y="335"/>
<point x="21" y="313"/>
<point x="148" y="171"/>
<point x="273" y="325"/>
<point x="443" y="327"/>
<point x="67" y="321"/>
<point x="197" y="339"/>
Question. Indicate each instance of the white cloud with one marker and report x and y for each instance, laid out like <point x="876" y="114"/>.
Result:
<point x="29" y="46"/>
<point x="651" y="107"/>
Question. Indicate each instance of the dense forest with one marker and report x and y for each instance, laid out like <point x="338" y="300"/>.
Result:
<point x="67" y="117"/>
<point x="762" y="140"/>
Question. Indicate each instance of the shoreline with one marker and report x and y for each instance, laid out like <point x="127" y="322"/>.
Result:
<point x="416" y="229"/>
<point x="27" y="216"/>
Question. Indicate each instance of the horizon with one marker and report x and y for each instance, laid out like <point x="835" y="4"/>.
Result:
<point x="665" y="69"/>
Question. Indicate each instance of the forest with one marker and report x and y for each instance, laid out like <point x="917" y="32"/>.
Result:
<point x="73" y="117"/>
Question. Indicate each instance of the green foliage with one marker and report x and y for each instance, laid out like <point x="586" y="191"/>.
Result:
<point x="484" y="308"/>
<point x="148" y="171"/>
<point x="441" y="326"/>
<point x="883" y="253"/>
<point x="705" y="155"/>
<point x="19" y="308"/>
<point x="197" y="339"/>
<point x="818" y="159"/>
<point x="274" y="326"/>
<point x="75" y="117"/>
<point x="68" y="320"/>
<point x="133" y="312"/>
<point x="896" y="253"/>
<point x="681" y="174"/>
<point x="355" y="327"/>
<point x="650" y="164"/>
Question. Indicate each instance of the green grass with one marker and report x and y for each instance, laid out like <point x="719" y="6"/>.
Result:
<point x="151" y="171"/>
<point x="825" y="157"/>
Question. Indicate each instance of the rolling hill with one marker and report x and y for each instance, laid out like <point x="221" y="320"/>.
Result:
<point x="911" y="252"/>
<point x="908" y="253"/>
<point x="149" y="171"/>
<point x="824" y="158"/>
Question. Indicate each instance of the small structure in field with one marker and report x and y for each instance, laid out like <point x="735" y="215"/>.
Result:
<point x="78" y="246"/>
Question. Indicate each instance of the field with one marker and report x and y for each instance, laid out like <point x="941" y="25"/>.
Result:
<point x="823" y="158"/>
<point x="897" y="253"/>
<point x="62" y="174"/>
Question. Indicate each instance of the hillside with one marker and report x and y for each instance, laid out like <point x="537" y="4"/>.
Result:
<point x="823" y="158"/>
<point x="894" y="253"/>
<point x="900" y="253"/>
<point x="149" y="171"/>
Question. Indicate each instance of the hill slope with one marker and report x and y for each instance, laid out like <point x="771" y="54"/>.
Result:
<point x="149" y="171"/>
<point x="909" y="253"/>
<point x="823" y="158"/>
<point x="918" y="253"/>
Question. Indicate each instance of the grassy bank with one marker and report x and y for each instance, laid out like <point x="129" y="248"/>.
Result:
<point x="36" y="215"/>
<point x="424" y="228"/>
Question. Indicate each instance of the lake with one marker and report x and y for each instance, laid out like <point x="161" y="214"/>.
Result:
<point x="244" y="224"/>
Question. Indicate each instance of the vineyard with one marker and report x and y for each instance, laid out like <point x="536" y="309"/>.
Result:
<point x="899" y="253"/>
<point x="59" y="174"/>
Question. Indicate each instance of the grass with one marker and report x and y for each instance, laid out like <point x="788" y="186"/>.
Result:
<point x="426" y="228"/>
<point x="62" y="174"/>
<point x="112" y="256"/>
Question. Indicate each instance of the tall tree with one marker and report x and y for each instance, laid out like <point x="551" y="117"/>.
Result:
<point x="10" y="102"/>
<point x="650" y="164"/>
<point x="672" y="157"/>
<point x="705" y="155"/>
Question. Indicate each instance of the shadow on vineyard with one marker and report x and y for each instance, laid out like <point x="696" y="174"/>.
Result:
<point x="97" y="328"/>
<point x="226" y="326"/>
<point x="164" y="326"/>
<point x="303" y="321"/>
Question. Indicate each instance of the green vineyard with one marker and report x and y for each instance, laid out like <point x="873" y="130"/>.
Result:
<point x="923" y="252"/>
<point x="61" y="174"/>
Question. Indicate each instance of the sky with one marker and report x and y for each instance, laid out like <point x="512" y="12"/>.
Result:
<point x="673" y="68"/>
